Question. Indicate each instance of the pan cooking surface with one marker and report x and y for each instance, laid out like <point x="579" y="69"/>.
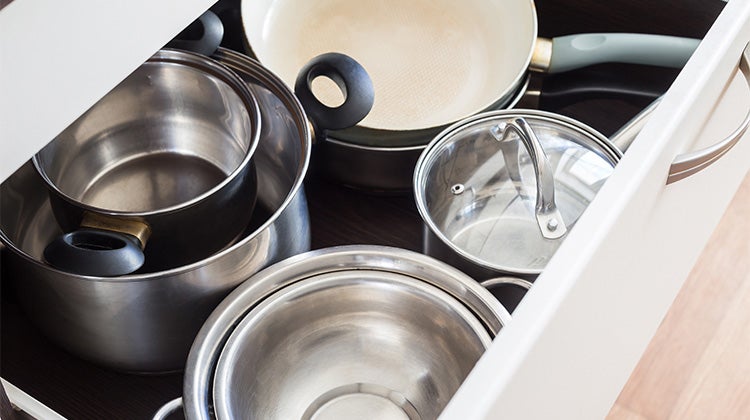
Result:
<point x="431" y="62"/>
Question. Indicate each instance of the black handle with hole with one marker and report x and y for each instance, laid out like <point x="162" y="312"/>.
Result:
<point x="95" y="252"/>
<point x="203" y="36"/>
<point x="354" y="83"/>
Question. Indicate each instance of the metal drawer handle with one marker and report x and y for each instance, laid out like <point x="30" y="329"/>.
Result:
<point x="687" y="164"/>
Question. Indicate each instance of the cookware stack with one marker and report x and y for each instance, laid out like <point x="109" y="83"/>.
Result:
<point x="185" y="182"/>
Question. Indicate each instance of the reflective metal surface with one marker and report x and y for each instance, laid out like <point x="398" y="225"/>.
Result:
<point x="342" y="263"/>
<point x="147" y="322"/>
<point x="349" y="344"/>
<point x="489" y="225"/>
<point x="171" y="146"/>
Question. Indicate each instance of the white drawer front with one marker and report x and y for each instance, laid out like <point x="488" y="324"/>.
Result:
<point x="580" y="331"/>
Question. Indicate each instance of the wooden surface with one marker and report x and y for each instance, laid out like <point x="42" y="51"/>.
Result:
<point x="338" y="216"/>
<point x="697" y="365"/>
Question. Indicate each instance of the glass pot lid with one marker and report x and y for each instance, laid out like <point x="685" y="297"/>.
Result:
<point x="502" y="189"/>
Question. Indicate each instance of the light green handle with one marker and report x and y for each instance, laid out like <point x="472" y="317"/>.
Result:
<point x="576" y="51"/>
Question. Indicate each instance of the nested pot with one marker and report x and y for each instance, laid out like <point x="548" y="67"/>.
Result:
<point x="139" y="179"/>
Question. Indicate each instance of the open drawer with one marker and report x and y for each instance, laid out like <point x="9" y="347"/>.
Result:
<point x="578" y="334"/>
<point x="581" y="329"/>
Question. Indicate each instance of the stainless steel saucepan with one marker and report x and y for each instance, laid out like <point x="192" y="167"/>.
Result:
<point x="140" y="177"/>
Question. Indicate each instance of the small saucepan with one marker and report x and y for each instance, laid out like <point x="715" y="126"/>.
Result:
<point x="154" y="162"/>
<point x="435" y="62"/>
<point x="498" y="191"/>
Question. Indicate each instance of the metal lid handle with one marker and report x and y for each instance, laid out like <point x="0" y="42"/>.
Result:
<point x="548" y="217"/>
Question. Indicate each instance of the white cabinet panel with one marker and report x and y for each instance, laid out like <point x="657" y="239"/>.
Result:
<point x="580" y="331"/>
<point x="56" y="64"/>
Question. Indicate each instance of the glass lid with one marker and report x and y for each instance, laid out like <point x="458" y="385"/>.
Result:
<point x="504" y="188"/>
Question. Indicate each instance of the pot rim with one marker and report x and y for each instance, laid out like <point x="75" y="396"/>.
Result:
<point x="215" y="69"/>
<point x="603" y="144"/>
<point x="209" y="342"/>
<point x="239" y="63"/>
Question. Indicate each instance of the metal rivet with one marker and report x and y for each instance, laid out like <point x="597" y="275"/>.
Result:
<point x="498" y="131"/>
<point x="457" y="189"/>
<point x="552" y="224"/>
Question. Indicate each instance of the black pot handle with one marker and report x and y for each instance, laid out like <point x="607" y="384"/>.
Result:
<point x="210" y="30"/>
<point x="95" y="252"/>
<point x="354" y="83"/>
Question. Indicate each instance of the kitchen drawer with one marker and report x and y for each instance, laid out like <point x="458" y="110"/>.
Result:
<point x="579" y="333"/>
<point x="582" y="328"/>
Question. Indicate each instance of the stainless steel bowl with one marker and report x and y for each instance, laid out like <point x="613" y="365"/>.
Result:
<point x="342" y="330"/>
<point x="348" y="345"/>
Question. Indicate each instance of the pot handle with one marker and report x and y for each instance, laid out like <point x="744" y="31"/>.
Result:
<point x="509" y="300"/>
<point x="570" y="52"/>
<point x="95" y="252"/>
<point x="354" y="83"/>
<point x="211" y="31"/>
<point x="548" y="218"/>
<point x="168" y="408"/>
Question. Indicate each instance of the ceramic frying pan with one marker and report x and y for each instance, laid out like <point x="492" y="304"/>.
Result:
<point x="434" y="62"/>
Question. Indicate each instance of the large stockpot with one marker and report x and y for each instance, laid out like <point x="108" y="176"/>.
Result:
<point x="166" y="149"/>
<point x="147" y="322"/>
<point x="498" y="191"/>
<point x="342" y="331"/>
<point x="434" y="63"/>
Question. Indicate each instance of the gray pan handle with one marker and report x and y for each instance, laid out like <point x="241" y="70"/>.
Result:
<point x="575" y="51"/>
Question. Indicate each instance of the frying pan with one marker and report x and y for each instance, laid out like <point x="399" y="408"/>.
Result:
<point x="435" y="62"/>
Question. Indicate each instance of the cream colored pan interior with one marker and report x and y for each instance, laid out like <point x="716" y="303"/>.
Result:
<point x="431" y="61"/>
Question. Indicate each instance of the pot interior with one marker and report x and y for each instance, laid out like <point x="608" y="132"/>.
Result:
<point x="431" y="62"/>
<point x="349" y="344"/>
<point x="167" y="134"/>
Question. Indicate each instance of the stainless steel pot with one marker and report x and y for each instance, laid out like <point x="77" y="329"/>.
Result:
<point x="498" y="191"/>
<point x="142" y="174"/>
<point x="353" y="327"/>
<point x="147" y="322"/>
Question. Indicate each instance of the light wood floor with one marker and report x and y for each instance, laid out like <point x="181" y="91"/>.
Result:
<point x="698" y="364"/>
